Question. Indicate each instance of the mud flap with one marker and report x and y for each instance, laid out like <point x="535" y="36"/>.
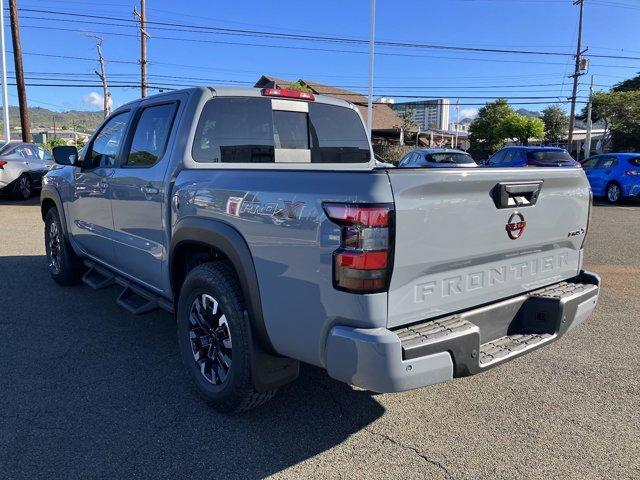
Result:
<point x="269" y="372"/>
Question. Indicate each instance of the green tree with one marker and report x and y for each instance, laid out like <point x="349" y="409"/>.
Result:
<point x="627" y="85"/>
<point x="409" y="126"/>
<point x="299" y="86"/>
<point x="485" y="137"/>
<point x="54" y="142"/>
<point x="556" y="124"/>
<point x="620" y="112"/>
<point x="521" y="127"/>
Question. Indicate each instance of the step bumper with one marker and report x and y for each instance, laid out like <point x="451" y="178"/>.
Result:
<point x="462" y="344"/>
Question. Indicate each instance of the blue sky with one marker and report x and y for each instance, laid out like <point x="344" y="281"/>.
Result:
<point x="611" y="28"/>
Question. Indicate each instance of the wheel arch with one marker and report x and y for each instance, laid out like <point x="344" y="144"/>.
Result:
<point x="193" y="234"/>
<point x="49" y="198"/>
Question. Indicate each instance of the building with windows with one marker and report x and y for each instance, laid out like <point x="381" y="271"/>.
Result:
<point x="428" y="114"/>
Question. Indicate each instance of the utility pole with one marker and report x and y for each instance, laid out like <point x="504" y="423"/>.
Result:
<point x="372" y="33"/>
<point x="576" y="76"/>
<point x="5" y="94"/>
<point x="142" y="16"/>
<point x="17" y="58"/>
<point x="587" y="140"/>
<point x="102" y="75"/>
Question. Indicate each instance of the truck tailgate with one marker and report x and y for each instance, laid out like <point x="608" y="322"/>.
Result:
<point x="464" y="238"/>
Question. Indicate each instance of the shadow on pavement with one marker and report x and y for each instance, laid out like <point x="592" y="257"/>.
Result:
<point x="88" y="390"/>
<point x="6" y="200"/>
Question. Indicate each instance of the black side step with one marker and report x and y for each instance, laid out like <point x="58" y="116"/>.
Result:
<point x="134" y="298"/>
<point x="98" y="278"/>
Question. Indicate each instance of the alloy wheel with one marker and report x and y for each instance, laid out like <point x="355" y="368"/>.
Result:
<point x="210" y="338"/>
<point x="55" y="248"/>
<point x="24" y="187"/>
<point x="613" y="193"/>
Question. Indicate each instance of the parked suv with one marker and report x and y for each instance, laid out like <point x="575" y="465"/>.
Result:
<point x="615" y="176"/>
<point x="531" y="157"/>
<point x="259" y="219"/>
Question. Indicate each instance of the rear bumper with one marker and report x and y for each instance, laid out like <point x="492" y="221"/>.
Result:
<point x="459" y="345"/>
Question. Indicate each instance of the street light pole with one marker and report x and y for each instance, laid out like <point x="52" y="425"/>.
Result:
<point x="587" y="140"/>
<point x="372" y="34"/>
<point x="5" y="95"/>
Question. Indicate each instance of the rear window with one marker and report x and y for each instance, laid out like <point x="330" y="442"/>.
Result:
<point x="450" y="158"/>
<point x="635" y="161"/>
<point x="551" y="157"/>
<point x="247" y="130"/>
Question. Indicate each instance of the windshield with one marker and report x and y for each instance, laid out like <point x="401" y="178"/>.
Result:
<point x="550" y="157"/>
<point x="454" y="157"/>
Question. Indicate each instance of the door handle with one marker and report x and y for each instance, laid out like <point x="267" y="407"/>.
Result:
<point x="149" y="190"/>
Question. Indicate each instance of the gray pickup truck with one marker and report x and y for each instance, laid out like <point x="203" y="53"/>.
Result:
<point x="259" y="218"/>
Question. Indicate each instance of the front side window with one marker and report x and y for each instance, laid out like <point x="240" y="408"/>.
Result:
<point x="248" y="130"/>
<point x="106" y="145"/>
<point x="590" y="162"/>
<point x="151" y="134"/>
<point x="497" y="158"/>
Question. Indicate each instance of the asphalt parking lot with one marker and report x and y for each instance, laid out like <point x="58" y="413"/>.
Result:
<point x="90" y="391"/>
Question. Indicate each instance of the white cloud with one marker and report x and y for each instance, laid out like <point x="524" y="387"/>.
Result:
<point x="468" y="113"/>
<point x="94" y="99"/>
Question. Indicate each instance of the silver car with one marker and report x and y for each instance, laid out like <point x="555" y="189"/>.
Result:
<point x="22" y="166"/>
<point x="437" y="158"/>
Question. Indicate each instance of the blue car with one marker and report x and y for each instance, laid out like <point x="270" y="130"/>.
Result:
<point x="531" y="157"/>
<point x="615" y="176"/>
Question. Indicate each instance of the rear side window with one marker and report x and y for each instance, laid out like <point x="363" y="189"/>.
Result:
<point x="456" y="158"/>
<point x="247" y="130"/>
<point x="338" y="135"/>
<point x="551" y="157"/>
<point x="150" y="137"/>
<point x="635" y="161"/>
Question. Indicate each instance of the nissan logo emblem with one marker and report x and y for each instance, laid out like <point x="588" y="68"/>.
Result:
<point x="515" y="225"/>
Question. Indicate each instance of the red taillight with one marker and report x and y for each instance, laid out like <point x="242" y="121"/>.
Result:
<point x="2" y="164"/>
<point x="287" y="93"/>
<point x="362" y="263"/>
<point x="633" y="173"/>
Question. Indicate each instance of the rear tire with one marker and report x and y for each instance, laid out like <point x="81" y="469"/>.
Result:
<point x="65" y="267"/>
<point x="215" y="341"/>
<point x="614" y="193"/>
<point x="23" y="188"/>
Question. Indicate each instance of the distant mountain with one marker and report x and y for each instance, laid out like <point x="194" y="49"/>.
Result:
<point x="528" y="113"/>
<point x="43" y="118"/>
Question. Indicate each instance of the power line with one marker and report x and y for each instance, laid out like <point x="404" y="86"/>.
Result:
<point x="322" y="38"/>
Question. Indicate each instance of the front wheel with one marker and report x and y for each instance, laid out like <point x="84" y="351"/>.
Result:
<point x="215" y="338"/>
<point x="65" y="267"/>
<point x="614" y="193"/>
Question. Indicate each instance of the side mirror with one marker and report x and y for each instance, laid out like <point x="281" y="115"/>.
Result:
<point x="65" y="155"/>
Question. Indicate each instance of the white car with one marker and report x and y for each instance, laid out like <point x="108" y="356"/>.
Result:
<point x="22" y="166"/>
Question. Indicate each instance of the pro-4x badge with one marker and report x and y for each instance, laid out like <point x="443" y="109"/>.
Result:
<point x="515" y="225"/>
